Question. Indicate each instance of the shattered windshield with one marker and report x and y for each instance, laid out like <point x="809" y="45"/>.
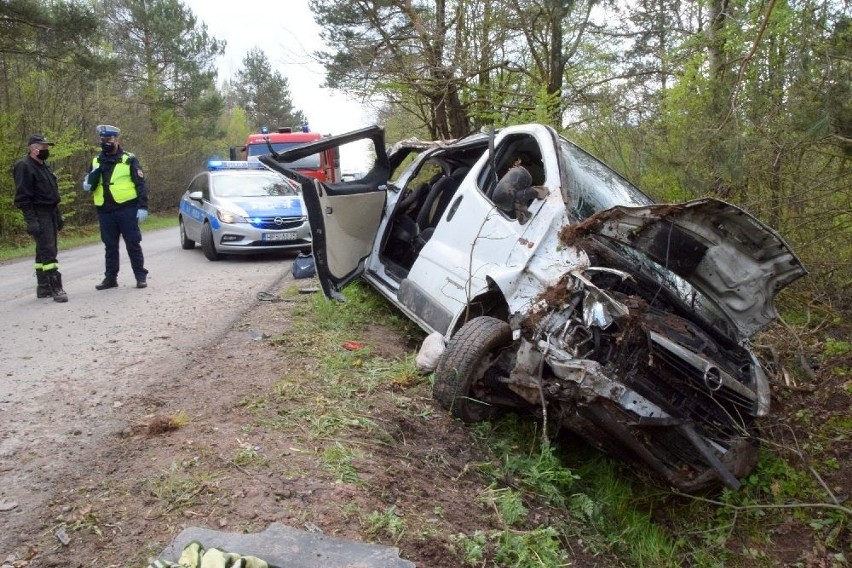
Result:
<point x="593" y="187"/>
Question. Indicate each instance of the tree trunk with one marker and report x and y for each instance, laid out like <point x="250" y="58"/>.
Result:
<point x="719" y="110"/>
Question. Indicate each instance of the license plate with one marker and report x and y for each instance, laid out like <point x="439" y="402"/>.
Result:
<point x="289" y="236"/>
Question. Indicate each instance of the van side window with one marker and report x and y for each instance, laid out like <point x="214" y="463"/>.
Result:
<point x="519" y="150"/>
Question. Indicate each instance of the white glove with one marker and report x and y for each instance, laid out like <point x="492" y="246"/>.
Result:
<point x="92" y="179"/>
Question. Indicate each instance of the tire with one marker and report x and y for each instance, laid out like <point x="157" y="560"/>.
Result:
<point x="207" y="244"/>
<point x="460" y="384"/>
<point x="185" y="242"/>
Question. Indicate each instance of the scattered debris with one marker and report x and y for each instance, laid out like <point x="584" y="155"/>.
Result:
<point x="7" y="505"/>
<point x="264" y="296"/>
<point x="352" y="345"/>
<point x="312" y="528"/>
<point x="430" y="353"/>
<point x="303" y="266"/>
<point x="62" y="536"/>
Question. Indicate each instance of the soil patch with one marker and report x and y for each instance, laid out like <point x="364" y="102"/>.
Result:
<point x="208" y="447"/>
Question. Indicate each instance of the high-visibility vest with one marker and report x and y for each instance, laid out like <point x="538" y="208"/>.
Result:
<point x="120" y="184"/>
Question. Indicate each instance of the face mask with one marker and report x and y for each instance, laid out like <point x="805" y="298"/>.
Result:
<point x="43" y="154"/>
<point x="108" y="147"/>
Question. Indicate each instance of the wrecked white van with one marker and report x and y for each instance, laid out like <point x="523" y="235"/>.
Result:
<point x="562" y="289"/>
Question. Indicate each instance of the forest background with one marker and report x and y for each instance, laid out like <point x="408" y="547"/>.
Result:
<point x="748" y="101"/>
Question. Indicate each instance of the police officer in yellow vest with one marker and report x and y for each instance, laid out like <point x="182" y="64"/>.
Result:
<point x="117" y="183"/>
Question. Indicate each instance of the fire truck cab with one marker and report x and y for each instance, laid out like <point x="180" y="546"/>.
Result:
<point x="324" y="166"/>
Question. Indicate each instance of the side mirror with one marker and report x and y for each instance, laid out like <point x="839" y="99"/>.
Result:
<point x="196" y="196"/>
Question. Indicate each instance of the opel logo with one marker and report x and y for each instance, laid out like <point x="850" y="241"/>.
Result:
<point x="279" y="221"/>
<point x="713" y="378"/>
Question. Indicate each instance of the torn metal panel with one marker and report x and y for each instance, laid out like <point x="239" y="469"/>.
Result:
<point x="718" y="248"/>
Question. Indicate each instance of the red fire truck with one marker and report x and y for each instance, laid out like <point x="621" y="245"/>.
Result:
<point x="324" y="166"/>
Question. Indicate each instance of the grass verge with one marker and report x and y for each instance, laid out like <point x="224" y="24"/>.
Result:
<point x="545" y="496"/>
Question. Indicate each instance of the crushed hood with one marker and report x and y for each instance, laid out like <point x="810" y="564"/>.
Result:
<point x="729" y="256"/>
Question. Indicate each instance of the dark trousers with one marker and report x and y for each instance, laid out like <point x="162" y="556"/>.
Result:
<point x="122" y="223"/>
<point x="45" y="242"/>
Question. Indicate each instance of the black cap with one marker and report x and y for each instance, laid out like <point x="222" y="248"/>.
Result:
<point x="38" y="139"/>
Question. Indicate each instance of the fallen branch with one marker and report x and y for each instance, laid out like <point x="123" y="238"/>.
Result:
<point x="737" y="508"/>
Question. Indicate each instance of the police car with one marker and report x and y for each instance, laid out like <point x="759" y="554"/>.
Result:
<point x="242" y="208"/>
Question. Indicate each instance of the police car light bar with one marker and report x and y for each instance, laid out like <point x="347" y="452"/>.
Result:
<point x="213" y="165"/>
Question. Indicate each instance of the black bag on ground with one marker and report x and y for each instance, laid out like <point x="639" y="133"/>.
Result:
<point x="303" y="266"/>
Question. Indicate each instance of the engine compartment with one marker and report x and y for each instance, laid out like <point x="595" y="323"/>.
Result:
<point x="621" y="360"/>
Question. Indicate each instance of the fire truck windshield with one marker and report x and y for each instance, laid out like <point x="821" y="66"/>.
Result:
<point x="311" y="162"/>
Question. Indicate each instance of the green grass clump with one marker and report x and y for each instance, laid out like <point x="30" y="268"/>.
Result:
<point x="177" y="489"/>
<point x="537" y="548"/>
<point x="338" y="460"/>
<point x="385" y="523"/>
<point x="247" y="456"/>
<point x="836" y="348"/>
<point x="543" y="494"/>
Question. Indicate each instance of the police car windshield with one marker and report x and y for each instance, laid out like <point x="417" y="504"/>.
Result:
<point x="311" y="162"/>
<point x="242" y="185"/>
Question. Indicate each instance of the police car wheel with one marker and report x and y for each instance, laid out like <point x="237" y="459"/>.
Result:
<point x="185" y="242"/>
<point x="207" y="244"/>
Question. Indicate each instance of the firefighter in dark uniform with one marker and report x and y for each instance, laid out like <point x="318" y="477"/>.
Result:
<point x="117" y="183"/>
<point x="37" y="196"/>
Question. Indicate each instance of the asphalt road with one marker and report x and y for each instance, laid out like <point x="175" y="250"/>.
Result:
<point x="65" y="369"/>
<point x="188" y="302"/>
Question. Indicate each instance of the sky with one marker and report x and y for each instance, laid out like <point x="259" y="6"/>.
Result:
<point x="286" y="31"/>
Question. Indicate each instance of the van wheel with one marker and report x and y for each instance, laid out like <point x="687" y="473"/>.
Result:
<point x="185" y="242"/>
<point x="207" y="244"/>
<point x="461" y="378"/>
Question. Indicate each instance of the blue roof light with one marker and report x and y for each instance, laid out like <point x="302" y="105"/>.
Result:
<point x="213" y="165"/>
<point x="264" y="130"/>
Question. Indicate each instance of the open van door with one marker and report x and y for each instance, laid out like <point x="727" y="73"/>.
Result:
<point x="344" y="217"/>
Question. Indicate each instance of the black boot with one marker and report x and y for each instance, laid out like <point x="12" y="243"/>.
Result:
<point x="107" y="283"/>
<point x="43" y="286"/>
<point x="55" y="280"/>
